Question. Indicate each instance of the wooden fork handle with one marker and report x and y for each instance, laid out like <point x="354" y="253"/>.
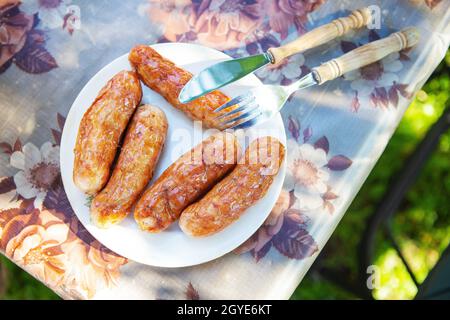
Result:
<point x="323" y="34"/>
<point x="366" y="55"/>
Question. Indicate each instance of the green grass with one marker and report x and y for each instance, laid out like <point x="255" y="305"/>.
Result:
<point x="20" y="285"/>
<point x="422" y="224"/>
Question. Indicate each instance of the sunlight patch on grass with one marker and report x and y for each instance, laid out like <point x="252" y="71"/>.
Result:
<point x="395" y="282"/>
<point x="421" y="259"/>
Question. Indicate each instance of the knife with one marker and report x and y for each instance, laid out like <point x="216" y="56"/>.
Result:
<point x="229" y="71"/>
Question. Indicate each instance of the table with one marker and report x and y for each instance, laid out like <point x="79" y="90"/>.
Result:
<point x="336" y="133"/>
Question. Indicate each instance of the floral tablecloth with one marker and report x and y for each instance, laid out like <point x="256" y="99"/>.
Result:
<point x="50" y="48"/>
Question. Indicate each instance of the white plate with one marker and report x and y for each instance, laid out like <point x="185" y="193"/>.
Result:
<point x="170" y="248"/>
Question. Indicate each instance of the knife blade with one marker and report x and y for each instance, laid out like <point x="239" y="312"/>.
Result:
<point x="221" y="74"/>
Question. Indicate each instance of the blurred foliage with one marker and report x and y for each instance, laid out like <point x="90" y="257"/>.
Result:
<point x="20" y="285"/>
<point x="421" y="226"/>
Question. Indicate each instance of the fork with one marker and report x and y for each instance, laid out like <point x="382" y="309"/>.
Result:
<point x="263" y="102"/>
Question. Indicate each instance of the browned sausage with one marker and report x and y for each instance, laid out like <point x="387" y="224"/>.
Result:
<point x="142" y="146"/>
<point x="101" y="129"/>
<point x="188" y="178"/>
<point x="237" y="192"/>
<point x="164" y="77"/>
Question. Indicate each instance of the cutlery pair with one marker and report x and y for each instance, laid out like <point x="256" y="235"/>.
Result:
<point x="262" y="103"/>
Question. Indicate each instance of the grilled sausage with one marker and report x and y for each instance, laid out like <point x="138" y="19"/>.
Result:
<point x="140" y="152"/>
<point x="101" y="129"/>
<point x="188" y="178"/>
<point x="164" y="77"/>
<point x="241" y="189"/>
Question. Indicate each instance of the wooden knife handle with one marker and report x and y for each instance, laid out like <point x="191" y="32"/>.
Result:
<point x="365" y="55"/>
<point x="323" y="34"/>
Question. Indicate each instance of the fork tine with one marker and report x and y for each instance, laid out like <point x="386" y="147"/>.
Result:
<point x="244" y="107"/>
<point x="237" y="100"/>
<point x="246" y="122"/>
<point x="241" y="116"/>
